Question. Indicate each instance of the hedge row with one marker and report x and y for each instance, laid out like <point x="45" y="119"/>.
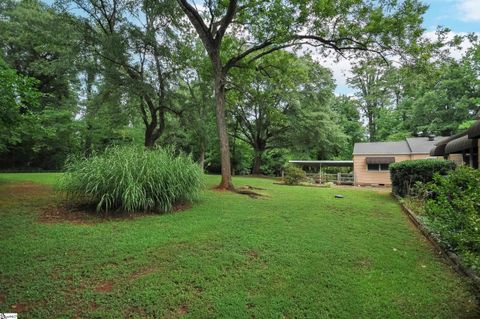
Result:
<point x="406" y="174"/>
<point x="452" y="208"/>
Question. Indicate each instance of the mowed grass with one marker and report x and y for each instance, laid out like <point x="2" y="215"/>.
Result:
<point x="298" y="253"/>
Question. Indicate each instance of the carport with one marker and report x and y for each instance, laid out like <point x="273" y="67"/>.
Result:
<point x="314" y="169"/>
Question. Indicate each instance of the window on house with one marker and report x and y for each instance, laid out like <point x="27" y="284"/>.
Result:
<point x="377" y="167"/>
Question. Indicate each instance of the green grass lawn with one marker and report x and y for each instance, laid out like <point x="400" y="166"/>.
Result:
<point x="298" y="253"/>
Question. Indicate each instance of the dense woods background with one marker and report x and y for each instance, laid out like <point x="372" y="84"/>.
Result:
<point x="79" y="76"/>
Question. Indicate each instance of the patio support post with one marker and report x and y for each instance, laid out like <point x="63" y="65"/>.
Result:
<point x="471" y="155"/>
<point x="320" y="172"/>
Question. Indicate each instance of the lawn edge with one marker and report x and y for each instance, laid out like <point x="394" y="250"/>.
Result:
<point x="453" y="259"/>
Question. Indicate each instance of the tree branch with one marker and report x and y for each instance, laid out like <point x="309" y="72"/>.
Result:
<point x="198" y="24"/>
<point x="225" y="21"/>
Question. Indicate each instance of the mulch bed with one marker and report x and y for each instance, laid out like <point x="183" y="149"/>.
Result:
<point x="58" y="213"/>
<point x="53" y="211"/>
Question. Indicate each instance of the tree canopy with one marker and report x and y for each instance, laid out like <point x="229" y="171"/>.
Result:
<point x="239" y="85"/>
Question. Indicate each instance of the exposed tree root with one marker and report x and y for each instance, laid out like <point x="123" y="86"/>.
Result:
<point x="247" y="190"/>
<point x="243" y="190"/>
<point x="253" y="187"/>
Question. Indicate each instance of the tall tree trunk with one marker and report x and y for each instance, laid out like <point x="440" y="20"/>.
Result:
<point x="257" y="162"/>
<point x="88" y="148"/>
<point x="212" y="41"/>
<point x="150" y="136"/>
<point x="372" y="129"/>
<point x="90" y="112"/>
<point x="226" y="182"/>
<point x="201" y="157"/>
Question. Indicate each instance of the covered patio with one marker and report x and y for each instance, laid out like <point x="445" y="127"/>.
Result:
<point x="314" y="170"/>
<point x="462" y="147"/>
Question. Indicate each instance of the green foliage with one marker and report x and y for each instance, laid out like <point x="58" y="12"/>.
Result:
<point x="348" y="117"/>
<point x="40" y="43"/>
<point x="132" y="179"/>
<point x="434" y="95"/>
<point x="406" y="174"/>
<point x="18" y="96"/>
<point x="273" y="161"/>
<point x="42" y="49"/>
<point x="453" y="212"/>
<point x="370" y="79"/>
<point x="241" y="157"/>
<point x="286" y="102"/>
<point x="293" y="175"/>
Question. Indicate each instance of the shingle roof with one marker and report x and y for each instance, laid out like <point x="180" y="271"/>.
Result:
<point x="421" y="145"/>
<point x="412" y="145"/>
<point x="381" y="148"/>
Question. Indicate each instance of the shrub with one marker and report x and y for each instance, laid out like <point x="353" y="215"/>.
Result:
<point x="453" y="212"/>
<point x="132" y="179"/>
<point x="328" y="184"/>
<point x="406" y="174"/>
<point x="273" y="161"/>
<point x="293" y="175"/>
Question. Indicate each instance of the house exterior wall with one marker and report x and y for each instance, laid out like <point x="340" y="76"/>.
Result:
<point x="457" y="158"/>
<point x="365" y="177"/>
<point x="419" y="156"/>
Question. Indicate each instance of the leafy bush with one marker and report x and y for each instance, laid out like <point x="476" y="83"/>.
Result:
<point x="453" y="211"/>
<point x="293" y="175"/>
<point x="132" y="179"/>
<point x="273" y="161"/>
<point x="406" y="174"/>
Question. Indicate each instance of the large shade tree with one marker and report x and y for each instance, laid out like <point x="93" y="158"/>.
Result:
<point x="348" y="118"/>
<point x="373" y="95"/>
<point x="448" y="97"/>
<point x="262" y="27"/>
<point x="283" y="101"/>
<point x="260" y="102"/>
<point x="18" y="96"/>
<point x="139" y="39"/>
<point x="35" y="44"/>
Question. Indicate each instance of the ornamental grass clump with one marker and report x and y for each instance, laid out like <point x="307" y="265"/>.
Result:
<point x="132" y="179"/>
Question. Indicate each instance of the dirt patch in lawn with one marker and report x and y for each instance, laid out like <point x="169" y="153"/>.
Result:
<point x="252" y="254"/>
<point x="363" y="264"/>
<point x="25" y="189"/>
<point x="20" y="307"/>
<point x="14" y="192"/>
<point x="182" y="310"/>
<point x="58" y="213"/>
<point x="51" y="210"/>
<point x="53" y="214"/>
<point x="105" y="286"/>
<point x="178" y="208"/>
<point x="142" y="273"/>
